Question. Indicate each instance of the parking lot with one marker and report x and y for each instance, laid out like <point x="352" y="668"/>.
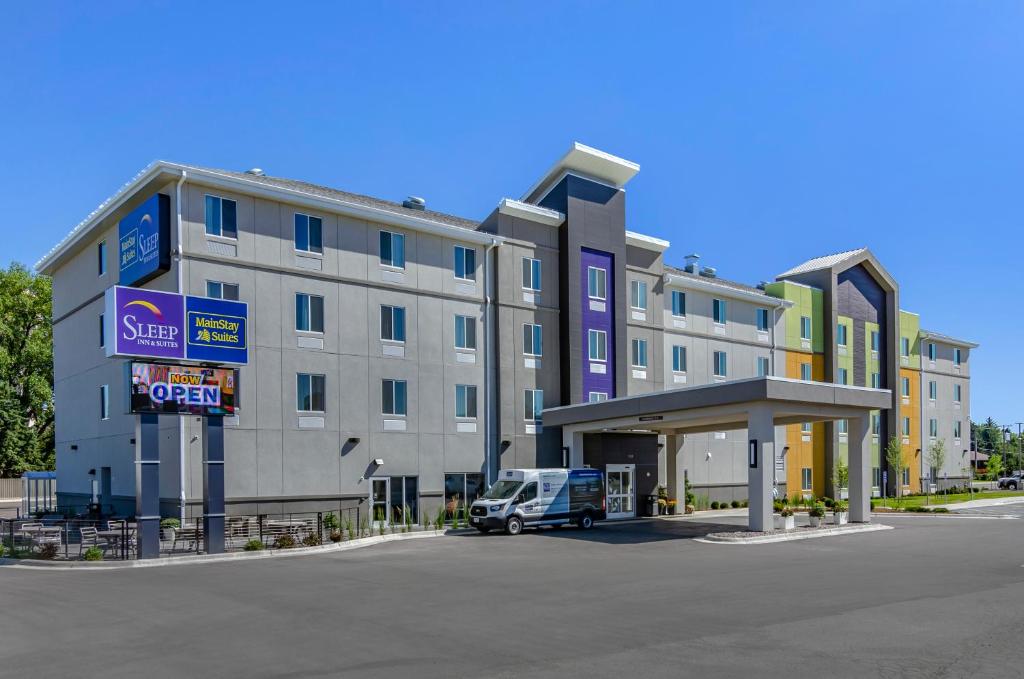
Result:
<point x="937" y="596"/>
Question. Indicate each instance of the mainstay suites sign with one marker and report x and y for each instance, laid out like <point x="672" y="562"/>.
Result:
<point x="143" y="323"/>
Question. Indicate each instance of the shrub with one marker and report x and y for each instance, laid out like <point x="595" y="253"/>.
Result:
<point x="735" y="504"/>
<point x="312" y="540"/>
<point x="744" y="503"/>
<point x="840" y="506"/>
<point x="873" y="505"/>
<point x="170" y="523"/>
<point x="714" y="505"/>
<point x="786" y="511"/>
<point x="336" y="536"/>
<point x="284" y="542"/>
<point x="828" y="502"/>
<point x="253" y="545"/>
<point x="777" y="506"/>
<point x="817" y="509"/>
<point x="48" y="552"/>
<point x="940" y="510"/>
<point x="93" y="554"/>
<point x="330" y="520"/>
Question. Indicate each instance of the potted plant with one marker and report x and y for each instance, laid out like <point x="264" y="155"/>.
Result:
<point x="840" y="512"/>
<point x="691" y="499"/>
<point x="671" y="506"/>
<point x="662" y="500"/>
<point x="168" y="527"/>
<point x="785" y="520"/>
<point x="816" y="514"/>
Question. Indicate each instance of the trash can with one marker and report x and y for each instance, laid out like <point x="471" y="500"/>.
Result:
<point x="652" y="505"/>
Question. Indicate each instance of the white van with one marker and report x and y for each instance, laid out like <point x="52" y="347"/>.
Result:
<point x="540" y="497"/>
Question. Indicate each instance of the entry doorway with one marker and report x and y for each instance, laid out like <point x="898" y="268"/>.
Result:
<point x="620" y="490"/>
<point x="394" y="499"/>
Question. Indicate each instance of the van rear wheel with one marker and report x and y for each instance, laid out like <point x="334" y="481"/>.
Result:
<point x="586" y="521"/>
<point x="514" y="526"/>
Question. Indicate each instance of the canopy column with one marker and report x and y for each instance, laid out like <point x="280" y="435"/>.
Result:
<point x="761" y="467"/>
<point x="860" y="467"/>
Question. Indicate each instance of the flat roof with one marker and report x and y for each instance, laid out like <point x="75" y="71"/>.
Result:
<point x="587" y="162"/>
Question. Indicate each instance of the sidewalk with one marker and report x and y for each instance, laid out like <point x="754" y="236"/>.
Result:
<point x="974" y="504"/>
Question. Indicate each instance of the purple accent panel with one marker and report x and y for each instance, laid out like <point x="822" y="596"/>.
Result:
<point x="596" y="319"/>
<point x="147" y="323"/>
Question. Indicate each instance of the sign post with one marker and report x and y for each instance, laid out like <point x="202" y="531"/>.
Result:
<point x="213" y="483"/>
<point x="147" y="486"/>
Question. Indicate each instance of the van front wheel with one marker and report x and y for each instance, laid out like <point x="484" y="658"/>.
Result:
<point x="514" y="526"/>
<point x="586" y="521"/>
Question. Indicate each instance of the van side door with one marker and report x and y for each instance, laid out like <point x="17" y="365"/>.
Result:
<point x="529" y="503"/>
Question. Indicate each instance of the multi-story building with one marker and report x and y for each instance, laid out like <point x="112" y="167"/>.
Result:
<point x="401" y="356"/>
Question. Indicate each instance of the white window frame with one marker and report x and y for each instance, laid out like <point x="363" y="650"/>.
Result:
<point x="933" y="428"/>
<point x="842" y="339"/>
<point x="680" y="295"/>
<point x="308" y="302"/>
<point x="468" y="274"/>
<point x="933" y="390"/>
<point x="104" y="402"/>
<point x="600" y="281"/>
<point x="394" y="401"/>
<point x="809" y="369"/>
<point x="679" y="367"/>
<point x="101" y="258"/>
<point x="759" y="314"/>
<point x="876" y="340"/>
<point x="806" y="479"/>
<point x="393" y="308"/>
<point x="469" y="321"/>
<point x="636" y="345"/>
<point x="531" y="329"/>
<point x="530" y="396"/>
<point x="309" y="222"/>
<point x="805" y="428"/>
<point x="602" y="353"/>
<point x="763" y="361"/>
<point x="103" y="331"/>
<point x="904" y="347"/>
<point x="957" y="428"/>
<point x="638" y="295"/>
<point x="906" y="426"/>
<point x="220" y="206"/>
<point x="805" y="321"/>
<point x="298" y="391"/>
<point x="724" y="367"/>
<point x="844" y="375"/>
<point x="905" y="387"/>
<point x="528" y="264"/>
<point x="957" y="393"/>
<point x="467" y="390"/>
<point x="957" y="356"/>
<point x="596" y="396"/>
<point x="380" y="256"/>
<point x="932" y="352"/>
<point x="222" y="285"/>
<point x="876" y="380"/>
<point x="719" y="308"/>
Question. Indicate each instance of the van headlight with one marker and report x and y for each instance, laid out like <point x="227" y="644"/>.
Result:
<point x="497" y="508"/>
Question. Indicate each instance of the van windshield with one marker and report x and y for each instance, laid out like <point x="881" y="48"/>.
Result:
<point x="502" y="490"/>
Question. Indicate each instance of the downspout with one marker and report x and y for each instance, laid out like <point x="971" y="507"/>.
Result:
<point x="178" y="255"/>
<point x="489" y="381"/>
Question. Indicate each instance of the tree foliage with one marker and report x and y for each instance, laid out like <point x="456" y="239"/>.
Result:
<point x="894" y="459"/>
<point x="936" y="456"/>
<point x="995" y="467"/>
<point x="26" y="372"/>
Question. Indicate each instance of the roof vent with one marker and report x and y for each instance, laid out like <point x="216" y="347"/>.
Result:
<point x="708" y="272"/>
<point x="691" y="262"/>
<point x="762" y="285"/>
<point x="415" y="203"/>
<point x="256" y="172"/>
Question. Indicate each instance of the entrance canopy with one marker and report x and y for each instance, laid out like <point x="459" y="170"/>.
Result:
<point x="758" y="404"/>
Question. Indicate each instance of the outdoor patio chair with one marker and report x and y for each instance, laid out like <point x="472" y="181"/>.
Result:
<point x="91" y="538"/>
<point x="187" y="535"/>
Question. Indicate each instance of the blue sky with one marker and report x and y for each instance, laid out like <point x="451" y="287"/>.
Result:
<point x="767" y="133"/>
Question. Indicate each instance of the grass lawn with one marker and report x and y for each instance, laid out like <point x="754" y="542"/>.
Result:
<point x="940" y="499"/>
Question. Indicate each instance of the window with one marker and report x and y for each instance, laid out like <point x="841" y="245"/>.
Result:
<point x="221" y="217"/>
<point x="597" y="283"/>
<point x="933" y="390"/>
<point x="718" y="311"/>
<point x="956" y="429"/>
<point x="906" y="426"/>
<point x="392" y="249"/>
<point x="841" y="335"/>
<point x="597" y="396"/>
<point x="876" y="424"/>
<point x="309" y="312"/>
<point x="638" y="294"/>
<point x="956" y="393"/>
<point x="905" y="387"/>
<point x="762" y="320"/>
<point x="219" y="290"/>
<point x="465" y="263"/>
<point x="461" y="491"/>
<point x="876" y="477"/>
<point x="597" y="345"/>
<point x="101" y="258"/>
<point x="957" y="356"/>
<point x="392" y="323"/>
<point x="393" y="397"/>
<point x="465" y="332"/>
<point x="533" y="404"/>
<point x="844" y="427"/>
<point x="805" y="427"/>
<point x="904" y="346"/>
<point x="310" y="390"/>
<point x="762" y="366"/>
<point x="933" y="428"/>
<point x="465" y="401"/>
<point x="720" y="364"/>
<point x="805" y="478"/>
<point x="874" y="340"/>
<point x="805" y="327"/>
<point x="876" y="380"/>
<point x="104" y="402"/>
<point x="533" y="339"/>
<point x="308" y="233"/>
<point x="678" y="303"/>
<point x="531" y="274"/>
<point x="678" y="359"/>
<point x="805" y="372"/>
<point x="906" y="476"/>
<point x="103" y="333"/>
<point x="639" y="353"/>
<point x="841" y="377"/>
<point x="931" y="351"/>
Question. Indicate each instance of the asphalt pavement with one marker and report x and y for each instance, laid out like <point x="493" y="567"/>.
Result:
<point x="939" y="596"/>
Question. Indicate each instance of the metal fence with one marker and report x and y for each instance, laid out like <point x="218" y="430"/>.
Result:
<point x="11" y="489"/>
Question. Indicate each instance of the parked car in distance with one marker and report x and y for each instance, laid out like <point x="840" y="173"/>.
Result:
<point x="540" y="497"/>
<point x="1012" y="482"/>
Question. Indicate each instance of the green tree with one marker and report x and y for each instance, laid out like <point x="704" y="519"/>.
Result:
<point x="26" y="372"/>
<point x="894" y="459"/>
<point x="840" y="476"/>
<point x="995" y="466"/>
<point x="936" y="457"/>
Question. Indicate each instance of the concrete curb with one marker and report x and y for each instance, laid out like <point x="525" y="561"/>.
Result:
<point x="975" y="504"/>
<point x="187" y="559"/>
<point x="798" y="535"/>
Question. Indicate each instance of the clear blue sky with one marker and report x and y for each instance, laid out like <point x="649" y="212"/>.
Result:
<point x="767" y="133"/>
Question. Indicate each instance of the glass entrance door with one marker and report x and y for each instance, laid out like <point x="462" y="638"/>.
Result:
<point x="379" y="496"/>
<point x="619" y="491"/>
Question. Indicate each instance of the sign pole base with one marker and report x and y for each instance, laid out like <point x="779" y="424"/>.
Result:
<point x="147" y="486"/>
<point x="213" y="483"/>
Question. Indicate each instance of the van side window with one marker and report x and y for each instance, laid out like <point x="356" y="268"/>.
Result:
<point x="529" y="491"/>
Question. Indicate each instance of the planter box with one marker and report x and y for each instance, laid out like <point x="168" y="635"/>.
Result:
<point x="815" y="521"/>
<point x="840" y="518"/>
<point x="785" y="522"/>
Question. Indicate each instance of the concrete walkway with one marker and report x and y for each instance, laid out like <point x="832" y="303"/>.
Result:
<point x="975" y="504"/>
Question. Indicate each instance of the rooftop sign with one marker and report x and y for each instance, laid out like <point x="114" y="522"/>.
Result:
<point x="165" y="325"/>
<point x="144" y="241"/>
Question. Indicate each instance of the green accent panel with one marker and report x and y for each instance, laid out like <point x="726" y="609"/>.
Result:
<point x="876" y="446"/>
<point x="871" y="365"/>
<point x="806" y="302"/>
<point x="910" y="327"/>
<point x="817" y="320"/>
<point x="847" y="360"/>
